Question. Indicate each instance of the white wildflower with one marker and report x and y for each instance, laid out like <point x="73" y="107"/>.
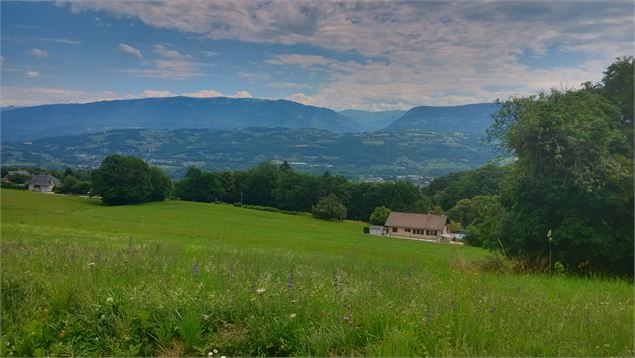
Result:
<point x="209" y="354"/>
<point x="292" y="315"/>
<point x="215" y="351"/>
<point x="261" y="290"/>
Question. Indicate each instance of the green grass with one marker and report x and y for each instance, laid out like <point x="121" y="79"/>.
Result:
<point x="184" y="278"/>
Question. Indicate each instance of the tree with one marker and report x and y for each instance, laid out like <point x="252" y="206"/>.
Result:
<point x="161" y="185"/>
<point x="379" y="215"/>
<point x="329" y="207"/>
<point x="618" y="87"/>
<point x="569" y="178"/>
<point x="198" y="185"/>
<point x="122" y="180"/>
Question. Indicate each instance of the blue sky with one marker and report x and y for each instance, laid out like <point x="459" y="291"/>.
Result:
<point x="342" y="55"/>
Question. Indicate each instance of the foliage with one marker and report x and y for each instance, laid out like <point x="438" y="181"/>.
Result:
<point x="618" y="87"/>
<point x="571" y="177"/>
<point x="329" y="207"/>
<point x="123" y="180"/>
<point x="161" y="185"/>
<point x="379" y="215"/>
<point x="284" y="188"/>
<point x="199" y="186"/>
<point x="446" y="191"/>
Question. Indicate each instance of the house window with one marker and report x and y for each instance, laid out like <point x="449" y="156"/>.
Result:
<point x="407" y="230"/>
<point x="394" y="229"/>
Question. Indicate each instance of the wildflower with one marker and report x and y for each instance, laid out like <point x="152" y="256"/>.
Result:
<point x="261" y="290"/>
<point x="205" y="317"/>
<point x="210" y="354"/>
<point x="223" y="357"/>
<point x="103" y="316"/>
<point x="215" y="351"/>
<point x="292" y="315"/>
<point x="110" y="300"/>
<point x="91" y="264"/>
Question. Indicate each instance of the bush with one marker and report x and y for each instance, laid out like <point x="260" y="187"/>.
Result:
<point x="123" y="180"/>
<point x="329" y="207"/>
<point x="379" y="215"/>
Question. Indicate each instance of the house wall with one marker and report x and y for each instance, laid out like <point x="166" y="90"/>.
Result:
<point x="43" y="189"/>
<point x="403" y="233"/>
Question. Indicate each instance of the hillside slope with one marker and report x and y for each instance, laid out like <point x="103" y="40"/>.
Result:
<point x="166" y="113"/>
<point x="468" y="118"/>
<point x="355" y="155"/>
<point x="183" y="279"/>
<point x="366" y="121"/>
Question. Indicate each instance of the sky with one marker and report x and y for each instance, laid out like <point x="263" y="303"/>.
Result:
<point x="367" y="55"/>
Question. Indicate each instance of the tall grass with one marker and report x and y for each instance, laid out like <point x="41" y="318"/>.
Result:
<point x="187" y="279"/>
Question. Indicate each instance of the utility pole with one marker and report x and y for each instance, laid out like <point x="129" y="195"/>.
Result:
<point x="550" y="238"/>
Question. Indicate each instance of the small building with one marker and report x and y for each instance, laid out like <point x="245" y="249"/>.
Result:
<point x="43" y="183"/>
<point x="416" y="226"/>
<point x="376" y="230"/>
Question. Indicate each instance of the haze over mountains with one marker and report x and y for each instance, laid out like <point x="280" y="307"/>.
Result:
<point x="228" y="113"/>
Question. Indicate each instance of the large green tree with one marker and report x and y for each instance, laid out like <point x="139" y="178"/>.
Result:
<point x="122" y="180"/>
<point x="571" y="177"/>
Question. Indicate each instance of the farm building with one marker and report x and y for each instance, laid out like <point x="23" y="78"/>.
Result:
<point x="43" y="183"/>
<point x="416" y="226"/>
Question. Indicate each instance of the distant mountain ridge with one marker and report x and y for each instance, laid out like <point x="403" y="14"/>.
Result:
<point x="166" y="113"/>
<point x="466" y="118"/>
<point x="371" y="121"/>
<point x="169" y="113"/>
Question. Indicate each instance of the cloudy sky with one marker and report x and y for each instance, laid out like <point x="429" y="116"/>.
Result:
<point x="362" y="55"/>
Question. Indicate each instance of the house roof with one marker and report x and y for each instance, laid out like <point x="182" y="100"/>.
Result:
<point x="416" y="221"/>
<point x="18" y="172"/>
<point x="44" y="180"/>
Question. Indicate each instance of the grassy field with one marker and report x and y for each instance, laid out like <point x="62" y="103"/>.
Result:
<point x="179" y="278"/>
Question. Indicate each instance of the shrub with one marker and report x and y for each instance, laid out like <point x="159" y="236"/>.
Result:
<point x="379" y="215"/>
<point x="329" y="207"/>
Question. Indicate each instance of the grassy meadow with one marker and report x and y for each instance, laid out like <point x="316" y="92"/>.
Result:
<point x="180" y="278"/>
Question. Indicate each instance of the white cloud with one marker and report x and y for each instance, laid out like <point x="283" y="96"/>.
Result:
<point x="156" y="93"/>
<point x="163" y="51"/>
<point x="39" y="52"/>
<point x="204" y="93"/>
<point x="301" y="98"/>
<point x="129" y="51"/>
<point x="242" y="94"/>
<point x="407" y="53"/>
<point x="32" y="73"/>
<point x="298" y="60"/>
<point x="31" y="96"/>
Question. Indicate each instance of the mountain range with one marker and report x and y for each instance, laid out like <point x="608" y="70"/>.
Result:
<point x="471" y="118"/>
<point x="28" y="123"/>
